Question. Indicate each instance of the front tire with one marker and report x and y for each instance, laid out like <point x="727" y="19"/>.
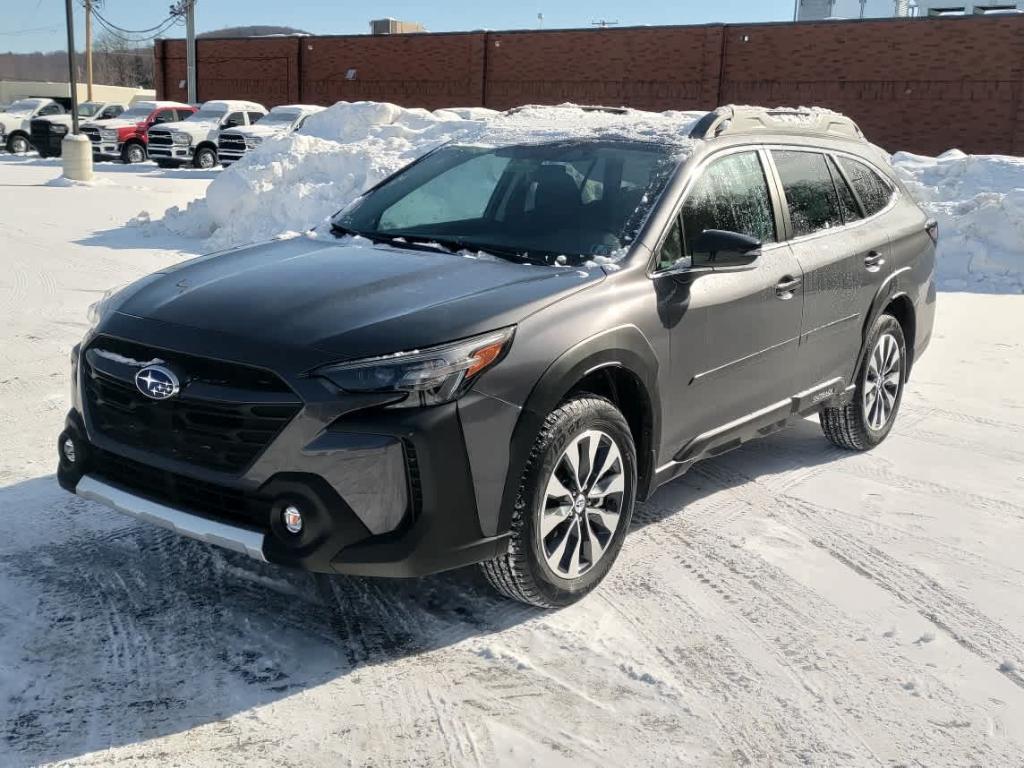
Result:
<point x="864" y="423"/>
<point x="133" y="153"/>
<point x="573" y="507"/>
<point x="18" y="144"/>
<point x="205" y="158"/>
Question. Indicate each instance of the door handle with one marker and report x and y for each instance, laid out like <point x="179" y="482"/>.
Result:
<point x="873" y="261"/>
<point x="784" y="288"/>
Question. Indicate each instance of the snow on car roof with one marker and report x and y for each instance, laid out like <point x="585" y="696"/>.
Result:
<point x="230" y="104"/>
<point x="566" y="122"/>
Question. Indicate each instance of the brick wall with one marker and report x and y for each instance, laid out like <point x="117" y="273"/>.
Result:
<point x="919" y="85"/>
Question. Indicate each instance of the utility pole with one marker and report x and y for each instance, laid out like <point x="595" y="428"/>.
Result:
<point x="71" y="67"/>
<point x="190" y="49"/>
<point x="88" y="49"/>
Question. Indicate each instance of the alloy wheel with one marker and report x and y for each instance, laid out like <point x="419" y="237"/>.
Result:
<point x="136" y="154"/>
<point x="582" y="504"/>
<point x="19" y="145"/>
<point x="882" y="382"/>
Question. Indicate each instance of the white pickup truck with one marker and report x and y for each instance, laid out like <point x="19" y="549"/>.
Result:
<point x="288" y="118"/>
<point x="15" y="123"/>
<point x="195" y="140"/>
<point x="47" y="132"/>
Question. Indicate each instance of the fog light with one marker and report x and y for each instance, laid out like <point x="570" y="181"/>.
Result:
<point x="292" y="519"/>
<point x="69" y="450"/>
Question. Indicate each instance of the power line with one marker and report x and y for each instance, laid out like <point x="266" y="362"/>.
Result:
<point x="31" y="30"/>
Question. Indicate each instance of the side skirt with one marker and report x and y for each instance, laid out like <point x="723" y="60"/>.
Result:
<point x="760" y="423"/>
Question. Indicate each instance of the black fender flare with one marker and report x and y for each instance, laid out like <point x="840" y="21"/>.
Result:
<point x="624" y="347"/>
<point x="891" y="289"/>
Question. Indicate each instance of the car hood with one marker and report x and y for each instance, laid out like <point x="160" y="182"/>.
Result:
<point x="349" y="298"/>
<point x="263" y="131"/>
<point x="114" y="123"/>
<point x="194" y="128"/>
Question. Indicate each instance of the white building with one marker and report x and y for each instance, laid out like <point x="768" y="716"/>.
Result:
<point x="963" y="8"/>
<point x="815" y="10"/>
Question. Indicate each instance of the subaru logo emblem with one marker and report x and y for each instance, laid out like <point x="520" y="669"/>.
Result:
<point x="156" y="382"/>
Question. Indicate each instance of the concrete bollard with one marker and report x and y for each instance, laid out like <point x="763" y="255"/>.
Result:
<point x="77" y="157"/>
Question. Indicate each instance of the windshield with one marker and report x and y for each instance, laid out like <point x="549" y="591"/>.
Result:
<point x="88" y="109"/>
<point x="206" y="115"/>
<point x="280" y="118"/>
<point x="532" y="202"/>
<point x="24" y="105"/>
<point x="136" y="113"/>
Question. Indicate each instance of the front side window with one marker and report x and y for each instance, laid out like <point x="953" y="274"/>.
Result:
<point x="810" y="193"/>
<point x="88" y="109"/>
<point x="165" y="116"/>
<point x="234" y="120"/>
<point x="731" y="194"/>
<point x="51" y="109"/>
<point x="561" y="203"/>
<point x="111" y="112"/>
<point x="874" y="193"/>
<point x="254" y="116"/>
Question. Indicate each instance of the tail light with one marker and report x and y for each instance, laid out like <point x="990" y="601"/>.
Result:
<point x="932" y="228"/>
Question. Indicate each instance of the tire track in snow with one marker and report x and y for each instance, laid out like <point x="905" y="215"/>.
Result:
<point x="962" y="621"/>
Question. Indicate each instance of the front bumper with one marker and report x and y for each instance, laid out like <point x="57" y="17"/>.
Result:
<point x="171" y="152"/>
<point x="384" y="492"/>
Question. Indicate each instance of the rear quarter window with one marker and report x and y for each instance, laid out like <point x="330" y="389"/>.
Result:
<point x="873" y="191"/>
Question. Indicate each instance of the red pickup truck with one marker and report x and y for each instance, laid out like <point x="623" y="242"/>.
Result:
<point x="126" y="137"/>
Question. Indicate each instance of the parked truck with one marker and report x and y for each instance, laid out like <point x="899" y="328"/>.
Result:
<point x="47" y="132"/>
<point x="16" y="122"/>
<point x="195" y="140"/>
<point x="125" y="138"/>
<point x="234" y="143"/>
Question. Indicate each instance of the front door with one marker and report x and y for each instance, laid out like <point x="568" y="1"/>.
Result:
<point x="735" y="351"/>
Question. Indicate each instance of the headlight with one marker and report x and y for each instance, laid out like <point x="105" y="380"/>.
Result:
<point x="61" y="129"/>
<point x="108" y="134"/>
<point x="430" y="377"/>
<point x="182" y="139"/>
<point x="253" y="141"/>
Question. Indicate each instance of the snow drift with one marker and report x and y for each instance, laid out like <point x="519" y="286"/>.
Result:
<point x="978" y="201"/>
<point x="293" y="183"/>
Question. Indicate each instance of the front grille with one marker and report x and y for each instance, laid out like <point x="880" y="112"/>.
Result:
<point x="231" y="142"/>
<point x="42" y="136"/>
<point x="92" y="132"/>
<point x="160" y="138"/>
<point x="245" y="409"/>
<point x="182" y="492"/>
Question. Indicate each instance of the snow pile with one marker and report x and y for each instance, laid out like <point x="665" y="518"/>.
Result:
<point x="978" y="201"/>
<point x="293" y="183"/>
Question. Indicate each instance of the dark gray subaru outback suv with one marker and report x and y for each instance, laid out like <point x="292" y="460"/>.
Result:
<point x="506" y="344"/>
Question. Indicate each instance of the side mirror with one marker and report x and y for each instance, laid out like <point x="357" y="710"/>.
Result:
<point x="719" y="248"/>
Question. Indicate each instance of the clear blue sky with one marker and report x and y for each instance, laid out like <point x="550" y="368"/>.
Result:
<point x="31" y="25"/>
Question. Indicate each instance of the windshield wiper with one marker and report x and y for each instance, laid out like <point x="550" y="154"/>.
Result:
<point x="457" y="244"/>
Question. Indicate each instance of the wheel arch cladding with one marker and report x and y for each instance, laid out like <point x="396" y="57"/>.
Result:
<point x="619" y="364"/>
<point x="902" y="308"/>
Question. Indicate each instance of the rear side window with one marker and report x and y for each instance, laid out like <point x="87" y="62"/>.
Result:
<point x="810" y="193"/>
<point x="874" y="193"/>
<point x="847" y="202"/>
<point x="731" y="194"/>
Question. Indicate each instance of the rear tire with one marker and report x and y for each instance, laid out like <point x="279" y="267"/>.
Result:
<point x="569" y="520"/>
<point x="866" y="421"/>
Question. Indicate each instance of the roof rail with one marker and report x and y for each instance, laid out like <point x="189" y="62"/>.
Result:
<point x="733" y="119"/>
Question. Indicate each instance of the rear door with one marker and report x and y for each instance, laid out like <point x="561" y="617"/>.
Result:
<point x="843" y="258"/>
<point x="733" y="333"/>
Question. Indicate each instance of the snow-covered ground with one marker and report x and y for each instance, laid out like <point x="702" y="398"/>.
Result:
<point x="785" y="604"/>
